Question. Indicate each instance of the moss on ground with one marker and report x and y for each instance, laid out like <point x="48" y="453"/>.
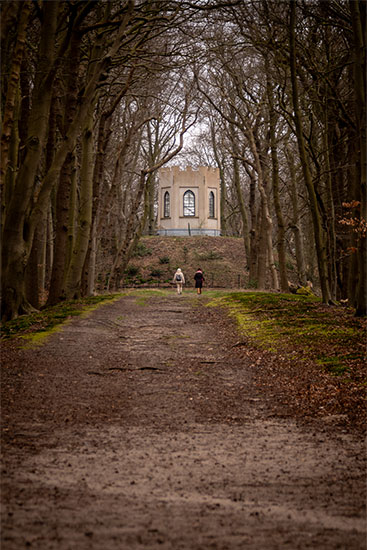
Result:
<point x="299" y="325"/>
<point x="296" y="326"/>
<point x="36" y="326"/>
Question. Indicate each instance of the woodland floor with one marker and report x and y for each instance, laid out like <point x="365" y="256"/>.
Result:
<point x="143" y="426"/>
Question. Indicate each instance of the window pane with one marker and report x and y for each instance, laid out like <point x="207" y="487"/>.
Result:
<point x="166" y="201"/>
<point x="189" y="204"/>
<point x="211" y="205"/>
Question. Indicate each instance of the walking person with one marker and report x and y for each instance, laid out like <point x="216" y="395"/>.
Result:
<point x="199" y="279"/>
<point x="179" y="279"/>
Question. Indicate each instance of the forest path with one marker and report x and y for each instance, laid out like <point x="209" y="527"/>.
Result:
<point x="140" y="427"/>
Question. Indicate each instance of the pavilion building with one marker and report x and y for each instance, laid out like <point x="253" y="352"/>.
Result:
<point x="189" y="201"/>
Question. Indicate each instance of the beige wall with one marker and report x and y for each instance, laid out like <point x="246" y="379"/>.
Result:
<point x="201" y="182"/>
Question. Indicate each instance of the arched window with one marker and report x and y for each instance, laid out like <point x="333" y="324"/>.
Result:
<point x="166" y="205"/>
<point x="189" y="204"/>
<point x="211" y="205"/>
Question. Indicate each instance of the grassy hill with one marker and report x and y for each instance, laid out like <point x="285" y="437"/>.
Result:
<point x="221" y="258"/>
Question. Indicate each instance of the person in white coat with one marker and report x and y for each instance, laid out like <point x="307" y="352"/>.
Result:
<point x="179" y="279"/>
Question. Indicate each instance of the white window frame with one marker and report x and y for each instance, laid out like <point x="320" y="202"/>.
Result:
<point x="166" y="205"/>
<point x="189" y="206"/>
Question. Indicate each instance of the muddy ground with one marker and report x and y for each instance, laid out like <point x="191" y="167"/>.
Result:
<point x="141" y="426"/>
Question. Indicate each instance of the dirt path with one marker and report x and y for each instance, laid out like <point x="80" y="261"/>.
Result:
<point x="140" y="427"/>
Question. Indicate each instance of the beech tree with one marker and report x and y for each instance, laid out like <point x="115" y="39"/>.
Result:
<point x="303" y="52"/>
<point x="29" y="199"/>
<point x="319" y="232"/>
<point x="105" y="98"/>
<point x="97" y="37"/>
<point x="246" y="122"/>
<point x="358" y="14"/>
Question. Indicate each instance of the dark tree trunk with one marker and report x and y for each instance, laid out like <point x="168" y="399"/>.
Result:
<point x="320" y="236"/>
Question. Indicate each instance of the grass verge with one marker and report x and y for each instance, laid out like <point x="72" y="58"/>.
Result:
<point x="302" y="328"/>
<point x="36" y="326"/>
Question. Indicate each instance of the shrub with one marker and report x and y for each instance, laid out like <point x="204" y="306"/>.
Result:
<point x="132" y="270"/>
<point x="141" y="251"/>
<point x="156" y="273"/>
<point x="164" y="260"/>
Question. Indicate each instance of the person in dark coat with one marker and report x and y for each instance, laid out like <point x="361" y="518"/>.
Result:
<point x="199" y="279"/>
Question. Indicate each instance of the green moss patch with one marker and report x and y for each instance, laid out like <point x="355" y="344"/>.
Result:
<point x="302" y="326"/>
<point x="37" y="326"/>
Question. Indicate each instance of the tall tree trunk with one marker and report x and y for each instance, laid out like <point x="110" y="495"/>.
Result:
<point x="253" y="273"/>
<point x="151" y="187"/>
<point x="89" y="291"/>
<point x="17" y="235"/>
<point x="84" y="221"/>
<point x="50" y="246"/>
<point x="11" y="173"/>
<point x="13" y="86"/>
<point x="154" y="152"/>
<point x="242" y="207"/>
<point x="330" y="210"/>
<point x="320" y="237"/>
<point x="50" y="208"/>
<point x="123" y="251"/>
<point x="223" y="191"/>
<point x="73" y="213"/>
<point x="351" y="248"/>
<point x="24" y="216"/>
<point x="42" y="261"/>
<point x="239" y="193"/>
<point x="103" y="136"/>
<point x="68" y="102"/>
<point x="124" y="201"/>
<point x="267" y="222"/>
<point x="337" y="155"/>
<point x="358" y="12"/>
<point x="296" y="222"/>
<point x="275" y="181"/>
<point x="261" y="250"/>
<point x="63" y="203"/>
<point x="34" y="269"/>
<point x="31" y="275"/>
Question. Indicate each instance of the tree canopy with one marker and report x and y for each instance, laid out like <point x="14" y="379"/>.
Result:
<point x="96" y="96"/>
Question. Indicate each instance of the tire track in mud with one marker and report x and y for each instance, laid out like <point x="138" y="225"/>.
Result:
<point x="137" y="427"/>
